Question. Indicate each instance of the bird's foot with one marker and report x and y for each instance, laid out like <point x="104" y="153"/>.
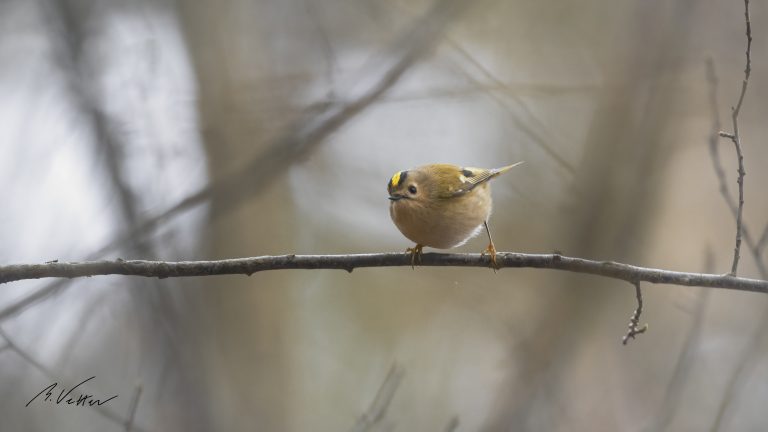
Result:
<point x="491" y="251"/>
<point x="415" y="254"/>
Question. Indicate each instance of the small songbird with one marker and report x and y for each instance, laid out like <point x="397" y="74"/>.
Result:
<point x="442" y="205"/>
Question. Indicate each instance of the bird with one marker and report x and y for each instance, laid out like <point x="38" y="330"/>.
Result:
<point x="443" y="206"/>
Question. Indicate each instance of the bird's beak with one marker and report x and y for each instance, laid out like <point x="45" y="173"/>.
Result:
<point x="396" y="197"/>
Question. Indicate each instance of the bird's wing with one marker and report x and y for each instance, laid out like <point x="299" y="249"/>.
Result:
<point x="472" y="177"/>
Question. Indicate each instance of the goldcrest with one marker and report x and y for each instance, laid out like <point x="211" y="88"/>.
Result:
<point x="442" y="205"/>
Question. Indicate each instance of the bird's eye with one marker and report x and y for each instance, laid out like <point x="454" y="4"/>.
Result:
<point x="412" y="189"/>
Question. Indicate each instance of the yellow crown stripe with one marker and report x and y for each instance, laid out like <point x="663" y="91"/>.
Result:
<point x="395" y="179"/>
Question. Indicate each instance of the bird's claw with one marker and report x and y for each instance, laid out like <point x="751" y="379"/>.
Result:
<point x="415" y="254"/>
<point x="491" y="252"/>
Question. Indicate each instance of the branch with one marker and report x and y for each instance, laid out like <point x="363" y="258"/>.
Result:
<point x="132" y="409"/>
<point x="750" y="358"/>
<point x="681" y="375"/>
<point x="381" y="401"/>
<point x="634" y="320"/>
<point x="714" y="153"/>
<point x="763" y="241"/>
<point x="31" y="299"/>
<point x="522" y="124"/>
<point x="683" y="367"/>
<point x="734" y="137"/>
<point x="248" y="266"/>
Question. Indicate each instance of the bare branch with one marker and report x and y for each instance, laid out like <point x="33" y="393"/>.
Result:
<point x="714" y="153"/>
<point x="683" y="366"/>
<point x="761" y="244"/>
<point x="676" y="384"/>
<point x="381" y="401"/>
<point x="520" y="123"/>
<point x="330" y="61"/>
<point x="248" y="266"/>
<point x="735" y="138"/>
<point x="524" y="125"/>
<point x="31" y="299"/>
<point x="452" y="425"/>
<point x="132" y="409"/>
<point x="634" y="320"/>
<point x="750" y="358"/>
<point x="479" y="86"/>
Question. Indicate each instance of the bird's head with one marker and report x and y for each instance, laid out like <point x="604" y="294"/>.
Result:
<point x="406" y="186"/>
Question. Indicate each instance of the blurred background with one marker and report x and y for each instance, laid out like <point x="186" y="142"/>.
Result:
<point x="216" y="129"/>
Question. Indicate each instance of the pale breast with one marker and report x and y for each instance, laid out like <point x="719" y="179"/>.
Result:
<point x="444" y="223"/>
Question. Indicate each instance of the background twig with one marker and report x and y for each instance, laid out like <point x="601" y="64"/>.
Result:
<point x="681" y="376"/>
<point x="717" y="165"/>
<point x="736" y="139"/>
<point x="749" y="359"/>
<point x="381" y="401"/>
<point x="132" y="409"/>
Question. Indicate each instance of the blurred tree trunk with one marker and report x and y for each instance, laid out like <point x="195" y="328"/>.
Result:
<point x="608" y="213"/>
<point x="74" y="26"/>
<point x="243" y="100"/>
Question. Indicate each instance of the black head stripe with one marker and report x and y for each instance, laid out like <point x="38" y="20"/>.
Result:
<point x="403" y="176"/>
<point x="396" y="180"/>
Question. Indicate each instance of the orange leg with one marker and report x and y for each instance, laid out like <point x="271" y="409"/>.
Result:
<point x="491" y="249"/>
<point x="415" y="254"/>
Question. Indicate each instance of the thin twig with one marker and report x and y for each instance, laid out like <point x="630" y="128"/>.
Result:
<point x="634" y="320"/>
<point x="381" y="401"/>
<point x="736" y="139"/>
<point x="248" y="266"/>
<point x="479" y="86"/>
<point x="676" y="384"/>
<point x="324" y="40"/>
<point x="133" y="407"/>
<point x="763" y="242"/>
<point x="717" y="165"/>
<point x="524" y="125"/>
<point x="528" y="125"/>
<point x="452" y="425"/>
<point x="750" y="358"/>
<point x="673" y="395"/>
<point x="31" y="299"/>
